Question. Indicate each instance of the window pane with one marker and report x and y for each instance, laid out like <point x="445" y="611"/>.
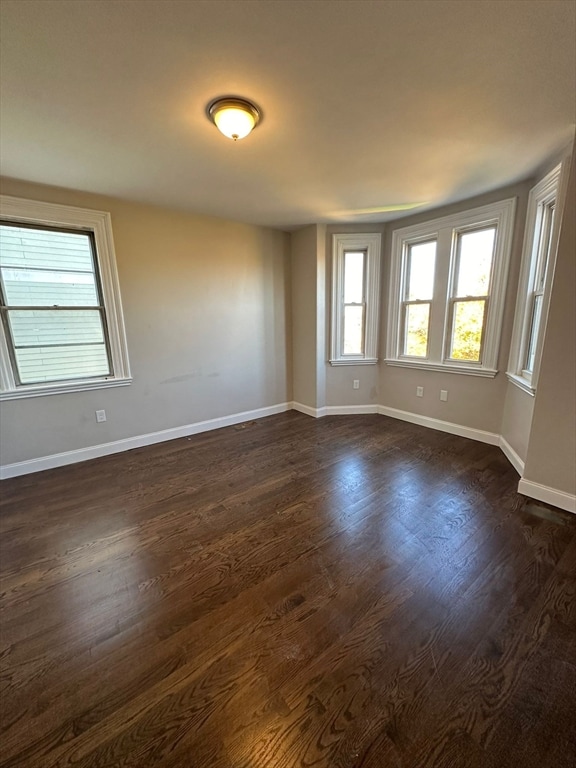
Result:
<point x="421" y="262"/>
<point x="467" y="330"/>
<point x="49" y="328"/>
<point x="61" y="363"/>
<point x="416" y="336"/>
<point x="534" y="326"/>
<point x="354" y="277"/>
<point x="41" y="288"/>
<point x="353" y="330"/>
<point x="544" y="246"/>
<point x="475" y="262"/>
<point x="23" y="247"/>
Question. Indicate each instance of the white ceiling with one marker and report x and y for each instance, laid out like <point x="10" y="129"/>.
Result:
<point x="366" y="104"/>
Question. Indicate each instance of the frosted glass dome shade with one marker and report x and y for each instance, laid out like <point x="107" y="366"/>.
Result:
<point x="235" y="118"/>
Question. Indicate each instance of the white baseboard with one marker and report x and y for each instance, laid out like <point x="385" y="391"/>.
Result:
<point x="443" y="426"/>
<point x="548" y="495"/>
<point x="344" y="410"/>
<point x="528" y="488"/>
<point x="117" y="446"/>
<point x="308" y="410"/>
<point x="512" y="456"/>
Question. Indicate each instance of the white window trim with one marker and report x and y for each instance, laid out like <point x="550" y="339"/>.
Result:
<point x="15" y="209"/>
<point x="369" y="242"/>
<point x="445" y="230"/>
<point x="546" y="191"/>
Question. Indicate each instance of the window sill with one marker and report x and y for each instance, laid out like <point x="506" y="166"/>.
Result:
<point x="467" y="370"/>
<point x="521" y="383"/>
<point x="39" y="390"/>
<point x="359" y="361"/>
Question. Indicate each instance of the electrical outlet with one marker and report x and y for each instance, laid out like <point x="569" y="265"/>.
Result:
<point x="356" y="384"/>
<point x="444" y="395"/>
<point x="100" y="416"/>
<point x="419" y="391"/>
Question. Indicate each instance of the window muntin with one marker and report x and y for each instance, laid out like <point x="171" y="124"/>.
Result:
<point x="459" y="322"/>
<point x="62" y="327"/>
<point x="355" y="298"/>
<point x="536" y="272"/>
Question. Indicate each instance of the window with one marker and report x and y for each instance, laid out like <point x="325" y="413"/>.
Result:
<point x="447" y="290"/>
<point x="62" y="327"/>
<point x="540" y="241"/>
<point x="355" y="298"/>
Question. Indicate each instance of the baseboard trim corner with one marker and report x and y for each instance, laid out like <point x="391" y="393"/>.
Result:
<point x="316" y="413"/>
<point x="511" y="455"/>
<point x="566" y="501"/>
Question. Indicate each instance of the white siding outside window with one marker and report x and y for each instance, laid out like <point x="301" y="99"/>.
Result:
<point x="62" y="326"/>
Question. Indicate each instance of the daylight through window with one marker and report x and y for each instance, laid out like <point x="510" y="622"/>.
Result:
<point x="355" y="298"/>
<point x="447" y="291"/>
<point x="61" y="324"/>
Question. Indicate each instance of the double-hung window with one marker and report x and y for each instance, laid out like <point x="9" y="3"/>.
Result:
<point x="62" y="327"/>
<point x="355" y="299"/>
<point x="538" y="258"/>
<point x="447" y="288"/>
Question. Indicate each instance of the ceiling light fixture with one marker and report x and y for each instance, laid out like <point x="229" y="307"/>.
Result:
<point x="234" y="117"/>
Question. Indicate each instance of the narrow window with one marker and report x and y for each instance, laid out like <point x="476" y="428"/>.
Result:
<point x="535" y="282"/>
<point x="354" y="302"/>
<point x="418" y="293"/>
<point x="536" y="296"/>
<point x="470" y="293"/>
<point x="355" y="299"/>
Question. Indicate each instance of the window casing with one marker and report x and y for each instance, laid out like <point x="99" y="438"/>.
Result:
<point x="62" y="328"/>
<point x="536" y="272"/>
<point x="355" y="299"/>
<point x="446" y="313"/>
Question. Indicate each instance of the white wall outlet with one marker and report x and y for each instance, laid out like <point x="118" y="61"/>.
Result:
<point x="419" y="391"/>
<point x="100" y="416"/>
<point x="356" y="384"/>
<point x="444" y="394"/>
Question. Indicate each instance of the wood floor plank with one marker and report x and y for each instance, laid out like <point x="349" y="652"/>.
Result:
<point x="348" y="592"/>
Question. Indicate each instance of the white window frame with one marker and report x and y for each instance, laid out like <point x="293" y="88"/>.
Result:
<point x="370" y="244"/>
<point x="544" y="194"/>
<point x="15" y="210"/>
<point x="445" y="231"/>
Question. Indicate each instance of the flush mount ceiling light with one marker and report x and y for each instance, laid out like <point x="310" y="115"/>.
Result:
<point x="234" y="117"/>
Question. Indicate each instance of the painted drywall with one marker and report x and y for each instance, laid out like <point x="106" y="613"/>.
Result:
<point x="517" y="419"/>
<point x="473" y="401"/>
<point x="551" y="457"/>
<point x="322" y="323"/>
<point x="206" y="306"/>
<point x="304" y="299"/>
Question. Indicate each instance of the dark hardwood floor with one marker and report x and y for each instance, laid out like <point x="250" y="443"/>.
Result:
<point x="343" y="592"/>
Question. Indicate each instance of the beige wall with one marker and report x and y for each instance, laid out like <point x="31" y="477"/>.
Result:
<point x="304" y="298"/>
<point x="551" y="458"/>
<point x="473" y="401"/>
<point x="517" y="419"/>
<point x="206" y="307"/>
